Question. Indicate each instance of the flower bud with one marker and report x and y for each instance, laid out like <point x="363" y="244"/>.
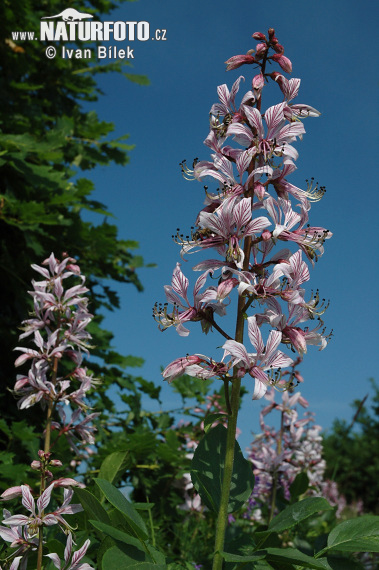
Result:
<point x="283" y="61"/>
<point x="42" y="455"/>
<point x="74" y="268"/>
<point x="260" y="50"/>
<point x="238" y="60"/>
<point x="271" y="33"/>
<point x="259" y="36"/>
<point x="298" y="376"/>
<point x="258" y="82"/>
<point x="56" y="463"/>
<point x="259" y="190"/>
<point x="266" y="235"/>
<point x="36" y="465"/>
<point x="278" y="48"/>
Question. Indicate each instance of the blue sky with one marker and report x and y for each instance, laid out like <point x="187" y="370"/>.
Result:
<point x="331" y="45"/>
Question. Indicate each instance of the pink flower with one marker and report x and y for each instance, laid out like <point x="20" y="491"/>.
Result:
<point x="266" y="357"/>
<point x="279" y="134"/>
<point x="224" y="228"/>
<point x="201" y="309"/>
<point x="196" y="365"/>
<point x="71" y="560"/>
<point x="38" y="516"/>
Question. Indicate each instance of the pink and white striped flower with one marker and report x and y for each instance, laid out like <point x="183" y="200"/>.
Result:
<point x="265" y="358"/>
<point x="71" y="559"/>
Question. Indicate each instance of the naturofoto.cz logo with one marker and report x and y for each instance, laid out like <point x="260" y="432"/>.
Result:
<point x="70" y="25"/>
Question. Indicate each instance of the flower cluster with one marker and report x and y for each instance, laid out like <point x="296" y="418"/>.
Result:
<point x="279" y="455"/>
<point x="56" y="377"/>
<point x="253" y="209"/>
<point x="57" y="381"/>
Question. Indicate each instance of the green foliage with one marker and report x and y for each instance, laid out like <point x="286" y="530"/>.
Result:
<point x="48" y="138"/>
<point x="298" y="512"/>
<point x="122" y="534"/>
<point x="349" y="453"/>
<point x="207" y="469"/>
<point x="355" y="535"/>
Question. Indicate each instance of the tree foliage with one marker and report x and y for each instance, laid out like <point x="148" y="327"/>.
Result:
<point x="349" y="451"/>
<point x="48" y="139"/>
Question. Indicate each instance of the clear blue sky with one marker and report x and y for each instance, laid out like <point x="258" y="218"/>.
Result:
<point x="332" y="45"/>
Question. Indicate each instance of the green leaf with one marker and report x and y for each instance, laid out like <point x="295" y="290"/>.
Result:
<point x="228" y="557"/>
<point x="119" y="559"/>
<point x="266" y="538"/>
<point x="143" y="506"/>
<point x="211" y="419"/>
<point x="299" y="485"/>
<point x="92" y="506"/>
<point x="296" y="513"/>
<point x="117" y="534"/>
<point x="207" y="469"/>
<point x="5" y="428"/>
<point x="355" y="535"/>
<point x="114" y="465"/>
<point x="140" y="79"/>
<point x="293" y="556"/>
<point x="120" y="502"/>
<point x="343" y="563"/>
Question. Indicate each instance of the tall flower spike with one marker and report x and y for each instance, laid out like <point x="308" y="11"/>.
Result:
<point x="253" y="154"/>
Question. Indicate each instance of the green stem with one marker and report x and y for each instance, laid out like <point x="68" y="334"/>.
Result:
<point x="40" y="548"/>
<point x="227" y="399"/>
<point x="49" y="418"/>
<point x="275" y="475"/>
<point x="222" y="518"/>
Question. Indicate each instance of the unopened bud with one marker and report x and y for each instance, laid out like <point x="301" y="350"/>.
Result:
<point x="74" y="268"/>
<point x="43" y="455"/>
<point x="271" y="33"/>
<point x="266" y="235"/>
<point x="258" y="82"/>
<point x="56" y="463"/>
<point x="259" y="190"/>
<point x="259" y="36"/>
<point x="260" y="50"/>
<point x="298" y="376"/>
<point x="283" y="61"/>
<point x="36" y="465"/>
<point x="278" y="48"/>
<point x="238" y="60"/>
